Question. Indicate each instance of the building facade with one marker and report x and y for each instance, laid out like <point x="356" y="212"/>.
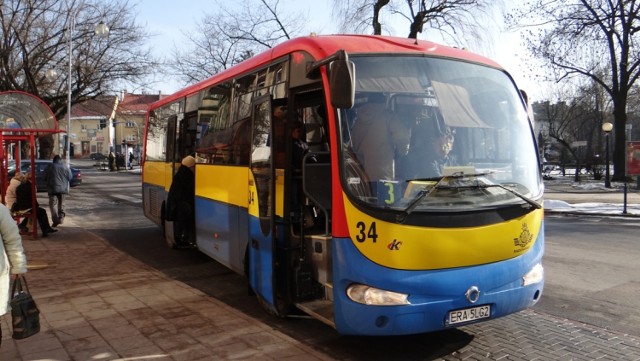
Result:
<point x="89" y="127"/>
<point x="107" y="124"/>
<point x="129" y="122"/>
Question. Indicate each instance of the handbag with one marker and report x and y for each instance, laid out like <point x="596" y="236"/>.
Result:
<point x="25" y="315"/>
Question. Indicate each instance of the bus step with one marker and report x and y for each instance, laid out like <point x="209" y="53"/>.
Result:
<point x="320" y="309"/>
<point x="306" y="288"/>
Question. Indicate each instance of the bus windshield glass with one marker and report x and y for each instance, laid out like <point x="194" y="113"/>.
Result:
<point x="436" y="134"/>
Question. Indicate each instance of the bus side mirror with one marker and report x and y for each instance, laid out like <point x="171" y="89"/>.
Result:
<point x="342" y="82"/>
<point x="525" y="97"/>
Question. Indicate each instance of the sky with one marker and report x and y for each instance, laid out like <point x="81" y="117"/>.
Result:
<point x="168" y="19"/>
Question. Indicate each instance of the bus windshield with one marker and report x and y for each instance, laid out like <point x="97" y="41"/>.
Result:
<point x="436" y="134"/>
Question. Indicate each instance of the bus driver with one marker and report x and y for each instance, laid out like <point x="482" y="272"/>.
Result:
<point x="378" y="138"/>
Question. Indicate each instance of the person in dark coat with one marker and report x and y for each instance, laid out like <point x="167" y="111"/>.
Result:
<point x="24" y="201"/>
<point x="181" y="202"/>
<point x="57" y="177"/>
<point x="112" y="162"/>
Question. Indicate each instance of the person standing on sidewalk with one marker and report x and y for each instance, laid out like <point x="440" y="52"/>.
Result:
<point x="57" y="178"/>
<point x="181" y="203"/>
<point x="10" y="250"/>
<point x="112" y="162"/>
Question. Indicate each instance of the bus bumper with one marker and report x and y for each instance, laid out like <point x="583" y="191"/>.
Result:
<point x="433" y="294"/>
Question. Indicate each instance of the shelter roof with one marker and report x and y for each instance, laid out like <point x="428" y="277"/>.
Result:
<point x="20" y="110"/>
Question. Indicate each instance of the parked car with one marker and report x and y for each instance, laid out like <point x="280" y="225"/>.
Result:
<point x="41" y="167"/>
<point x="97" y="156"/>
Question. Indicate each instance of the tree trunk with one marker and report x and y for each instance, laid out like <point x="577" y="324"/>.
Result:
<point x="620" y="122"/>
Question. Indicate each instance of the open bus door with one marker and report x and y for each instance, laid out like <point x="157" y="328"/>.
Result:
<point x="262" y="201"/>
<point x="170" y="154"/>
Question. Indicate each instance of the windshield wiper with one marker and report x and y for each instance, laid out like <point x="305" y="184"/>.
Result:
<point x="452" y="176"/>
<point x="423" y="193"/>
<point x="533" y="203"/>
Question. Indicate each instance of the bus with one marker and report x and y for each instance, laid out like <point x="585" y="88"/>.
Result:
<point x="369" y="232"/>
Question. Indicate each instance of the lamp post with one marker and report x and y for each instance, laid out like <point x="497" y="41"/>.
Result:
<point x="606" y="128"/>
<point x="101" y="30"/>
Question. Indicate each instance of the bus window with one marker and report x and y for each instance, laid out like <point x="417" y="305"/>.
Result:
<point x="156" y="137"/>
<point x="171" y="139"/>
<point x="215" y="129"/>
<point x="186" y="136"/>
<point x="278" y="73"/>
<point x="160" y="143"/>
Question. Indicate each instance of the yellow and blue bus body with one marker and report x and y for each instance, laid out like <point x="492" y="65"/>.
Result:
<point x="416" y="206"/>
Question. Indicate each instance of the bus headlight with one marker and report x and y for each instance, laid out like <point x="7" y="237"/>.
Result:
<point x="376" y="297"/>
<point x="535" y="275"/>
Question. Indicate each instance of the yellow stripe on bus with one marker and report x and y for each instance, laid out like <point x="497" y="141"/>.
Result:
<point x="158" y="173"/>
<point x="406" y="247"/>
<point x="226" y="184"/>
<point x="255" y="199"/>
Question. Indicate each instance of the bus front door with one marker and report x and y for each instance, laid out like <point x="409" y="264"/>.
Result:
<point x="262" y="206"/>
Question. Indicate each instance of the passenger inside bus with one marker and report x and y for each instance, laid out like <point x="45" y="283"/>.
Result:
<point x="299" y="146"/>
<point x="298" y="150"/>
<point x="440" y="156"/>
<point x="379" y="137"/>
<point x="431" y="146"/>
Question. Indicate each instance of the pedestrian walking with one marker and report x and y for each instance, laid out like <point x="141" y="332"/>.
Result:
<point x="11" y="252"/>
<point x="112" y="162"/>
<point x="119" y="161"/>
<point x="57" y="177"/>
<point x="131" y="159"/>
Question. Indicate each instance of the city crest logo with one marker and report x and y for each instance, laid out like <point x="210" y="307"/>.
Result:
<point x="525" y="237"/>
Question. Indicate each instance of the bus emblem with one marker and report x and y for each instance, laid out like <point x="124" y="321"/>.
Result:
<point x="472" y="294"/>
<point x="394" y="245"/>
<point x="525" y="237"/>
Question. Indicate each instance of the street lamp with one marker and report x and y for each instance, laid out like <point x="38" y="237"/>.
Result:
<point x="606" y="128"/>
<point x="102" y="31"/>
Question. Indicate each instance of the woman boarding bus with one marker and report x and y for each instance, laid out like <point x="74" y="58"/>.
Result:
<point x="417" y="206"/>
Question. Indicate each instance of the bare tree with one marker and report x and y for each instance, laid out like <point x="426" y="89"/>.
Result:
<point x="572" y="125"/>
<point x="455" y="20"/>
<point x="231" y="35"/>
<point x="593" y="39"/>
<point x="35" y="38"/>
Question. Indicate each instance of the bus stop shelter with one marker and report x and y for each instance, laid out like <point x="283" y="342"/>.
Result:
<point x="26" y="125"/>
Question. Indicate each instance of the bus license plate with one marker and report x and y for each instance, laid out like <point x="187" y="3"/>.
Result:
<point x="469" y="314"/>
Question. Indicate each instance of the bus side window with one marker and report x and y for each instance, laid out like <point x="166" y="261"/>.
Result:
<point x="241" y="145"/>
<point x="279" y="123"/>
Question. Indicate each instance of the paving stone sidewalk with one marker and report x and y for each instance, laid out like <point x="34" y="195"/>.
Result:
<point x="98" y="303"/>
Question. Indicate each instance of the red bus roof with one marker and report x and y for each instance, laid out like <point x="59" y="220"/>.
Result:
<point x="322" y="46"/>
